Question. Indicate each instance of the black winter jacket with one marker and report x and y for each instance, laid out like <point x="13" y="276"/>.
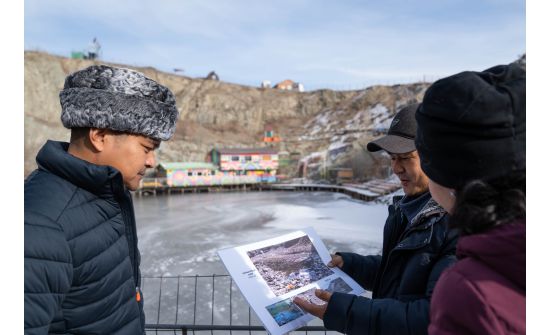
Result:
<point x="402" y="279"/>
<point x="81" y="256"/>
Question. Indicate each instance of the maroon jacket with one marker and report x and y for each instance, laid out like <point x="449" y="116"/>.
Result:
<point x="484" y="292"/>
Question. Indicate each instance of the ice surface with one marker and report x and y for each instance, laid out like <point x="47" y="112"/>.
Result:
<point x="180" y="234"/>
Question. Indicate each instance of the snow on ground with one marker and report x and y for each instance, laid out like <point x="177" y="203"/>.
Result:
<point x="325" y="122"/>
<point x="381" y="118"/>
<point x="337" y="142"/>
<point x="319" y="155"/>
<point x="319" y="123"/>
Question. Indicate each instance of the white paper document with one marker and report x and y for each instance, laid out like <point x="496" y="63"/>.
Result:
<point x="271" y="273"/>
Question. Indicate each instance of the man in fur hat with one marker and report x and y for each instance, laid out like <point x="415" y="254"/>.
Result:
<point x="81" y="257"/>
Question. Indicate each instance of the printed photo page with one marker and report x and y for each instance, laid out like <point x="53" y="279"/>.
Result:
<point x="271" y="273"/>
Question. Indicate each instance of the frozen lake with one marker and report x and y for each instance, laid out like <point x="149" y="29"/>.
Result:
<point x="180" y="234"/>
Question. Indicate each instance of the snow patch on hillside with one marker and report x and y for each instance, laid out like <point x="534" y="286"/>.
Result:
<point x="380" y="116"/>
<point x="314" y="156"/>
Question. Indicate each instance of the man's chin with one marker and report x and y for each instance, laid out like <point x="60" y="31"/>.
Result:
<point x="407" y="192"/>
<point x="406" y="189"/>
<point x="132" y="186"/>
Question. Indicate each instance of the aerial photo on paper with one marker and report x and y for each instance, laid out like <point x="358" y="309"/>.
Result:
<point x="284" y="311"/>
<point x="289" y="265"/>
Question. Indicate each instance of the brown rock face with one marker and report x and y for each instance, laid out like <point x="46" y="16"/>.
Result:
<point x="218" y="114"/>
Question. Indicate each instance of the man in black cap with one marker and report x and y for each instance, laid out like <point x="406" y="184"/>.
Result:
<point x="417" y="247"/>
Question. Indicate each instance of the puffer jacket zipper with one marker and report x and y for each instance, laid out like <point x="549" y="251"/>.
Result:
<point x="131" y="237"/>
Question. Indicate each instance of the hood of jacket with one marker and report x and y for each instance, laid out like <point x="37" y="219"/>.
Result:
<point x="501" y="248"/>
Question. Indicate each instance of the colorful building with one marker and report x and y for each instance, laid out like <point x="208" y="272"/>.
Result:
<point x="199" y="174"/>
<point x="261" y="163"/>
<point x="269" y="135"/>
<point x="226" y="167"/>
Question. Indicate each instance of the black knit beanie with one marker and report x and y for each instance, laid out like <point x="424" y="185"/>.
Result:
<point x="472" y="126"/>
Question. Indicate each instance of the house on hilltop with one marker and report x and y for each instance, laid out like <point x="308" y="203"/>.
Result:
<point x="289" y="85"/>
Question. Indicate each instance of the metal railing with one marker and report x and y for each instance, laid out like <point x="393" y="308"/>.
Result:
<point x="201" y="303"/>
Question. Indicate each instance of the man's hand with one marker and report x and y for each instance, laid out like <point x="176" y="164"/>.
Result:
<point x="336" y="261"/>
<point x="313" y="309"/>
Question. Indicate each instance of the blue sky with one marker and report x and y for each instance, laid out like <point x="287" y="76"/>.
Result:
<point x="322" y="44"/>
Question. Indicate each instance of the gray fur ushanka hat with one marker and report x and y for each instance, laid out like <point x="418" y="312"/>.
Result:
<point x="119" y="99"/>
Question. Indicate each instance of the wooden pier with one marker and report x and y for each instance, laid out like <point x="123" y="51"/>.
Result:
<point x="366" y="192"/>
<point x="353" y="191"/>
<point x="154" y="186"/>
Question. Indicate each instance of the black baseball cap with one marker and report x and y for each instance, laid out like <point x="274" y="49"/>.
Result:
<point x="400" y="137"/>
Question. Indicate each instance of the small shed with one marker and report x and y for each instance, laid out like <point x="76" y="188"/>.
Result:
<point x="341" y="175"/>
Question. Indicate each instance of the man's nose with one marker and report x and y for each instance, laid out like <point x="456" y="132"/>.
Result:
<point x="150" y="161"/>
<point x="396" y="167"/>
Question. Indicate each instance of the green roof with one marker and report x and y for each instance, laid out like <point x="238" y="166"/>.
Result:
<point x="187" y="165"/>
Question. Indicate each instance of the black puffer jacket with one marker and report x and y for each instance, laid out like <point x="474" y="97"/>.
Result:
<point x="81" y="256"/>
<point x="402" y="279"/>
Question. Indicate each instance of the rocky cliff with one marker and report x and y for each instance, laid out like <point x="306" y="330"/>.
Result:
<point x="321" y="128"/>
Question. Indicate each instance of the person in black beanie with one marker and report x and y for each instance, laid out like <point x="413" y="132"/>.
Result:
<point x="471" y="142"/>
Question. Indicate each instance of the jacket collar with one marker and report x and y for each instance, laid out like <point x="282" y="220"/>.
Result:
<point x="423" y="223"/>
<point x="397" y="199"/>
<point x="431" y="208"/>
<point x="100" y="180"/>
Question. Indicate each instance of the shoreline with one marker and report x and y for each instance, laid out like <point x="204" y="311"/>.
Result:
<point x="354" y="192"/>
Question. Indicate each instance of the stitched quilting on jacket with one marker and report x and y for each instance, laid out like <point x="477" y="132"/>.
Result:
<point x="81" y="256"/>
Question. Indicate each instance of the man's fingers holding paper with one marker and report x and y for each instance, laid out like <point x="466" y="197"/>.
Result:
<point x="336" y="261"/>
<point x="323" y="295"/>
<point x="314" y="309"/>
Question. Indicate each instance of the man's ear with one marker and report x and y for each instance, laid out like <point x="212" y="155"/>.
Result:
<point x="97" y="138"/>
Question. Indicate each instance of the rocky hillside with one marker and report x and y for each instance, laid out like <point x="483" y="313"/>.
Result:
<point x="321" y="128"/>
